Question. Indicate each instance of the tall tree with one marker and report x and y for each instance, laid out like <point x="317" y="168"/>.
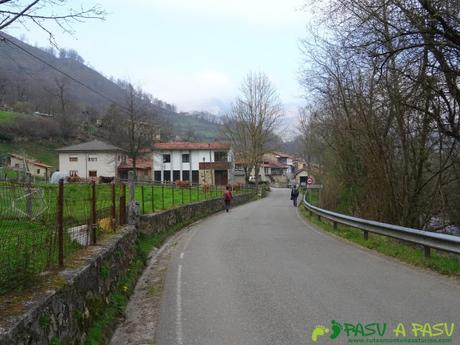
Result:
<point x="384" y="81"/>
<point x="131" y="124"/>
<point x="254" y="117"/>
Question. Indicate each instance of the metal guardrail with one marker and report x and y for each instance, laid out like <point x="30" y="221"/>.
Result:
<point x="427" y="239"/>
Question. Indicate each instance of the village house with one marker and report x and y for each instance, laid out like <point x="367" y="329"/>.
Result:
<point x="201" y="163"/>
<point x="143" y="169"/>
<point x="276" y="168"/>
<point x="91" y="159"/>
<point x="28" y="166"/>
<point x="300" y="177"/>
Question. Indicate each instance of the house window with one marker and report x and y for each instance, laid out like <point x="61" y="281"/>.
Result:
<point x="167" y="175"/>
<point x="92" y="159"/>
<point x="73" y="159"/>
<point x="16" y="165"/>
<point x="166" y="158"/>
<point x="186" y="175"/>
<point x="73" y="173"/>
<point x="176" y="175"/>
<point x="157" y="175"/>
<point x="38" y="171"/>
<point x="185" y="158"/>
<point x="220" y="156"/>
<point x="92" y="173"/>
<point x="195" y="176"/>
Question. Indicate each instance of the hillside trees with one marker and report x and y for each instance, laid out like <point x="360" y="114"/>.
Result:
<point x="386" y="106"/>
<point x="252" y="121"/>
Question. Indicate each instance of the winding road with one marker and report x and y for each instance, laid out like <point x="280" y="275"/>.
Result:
<point x="260" y="275"/>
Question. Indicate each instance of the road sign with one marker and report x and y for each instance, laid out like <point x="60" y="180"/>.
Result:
<point x="310" y="180"/>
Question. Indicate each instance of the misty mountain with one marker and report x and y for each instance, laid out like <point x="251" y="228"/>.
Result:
<point x="28" y="85"/>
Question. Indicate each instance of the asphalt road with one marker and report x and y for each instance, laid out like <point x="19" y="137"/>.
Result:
<point x="261" y="275"/>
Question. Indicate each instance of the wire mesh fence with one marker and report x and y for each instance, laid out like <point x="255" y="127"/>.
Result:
<point x="157" y="196"/>
<point x="41" y="224"/>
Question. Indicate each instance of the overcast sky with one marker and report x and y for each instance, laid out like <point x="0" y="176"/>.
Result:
<point x="192" y="53"/>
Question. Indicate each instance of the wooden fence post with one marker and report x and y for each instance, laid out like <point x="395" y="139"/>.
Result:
<point x="93" y="213"/>
<point x="60" y="223"/>
<point x="114" y="206"/>
<point x="123" y="205"/>
<point x="143" y="199"/>
<point x="153" y="198"/>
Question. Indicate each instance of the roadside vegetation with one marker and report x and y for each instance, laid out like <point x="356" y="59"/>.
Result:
<point x="28" y="236"/>
<point x="381" y="128"/>
<point x="441" y="262"/>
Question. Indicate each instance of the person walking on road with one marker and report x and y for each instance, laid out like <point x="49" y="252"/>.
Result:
<point x="294" y="195"/>
<point x="227" y="198"/>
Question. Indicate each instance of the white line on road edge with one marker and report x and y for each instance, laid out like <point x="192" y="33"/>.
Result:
<point x="179" y="335"/>
<point x="181" y="255"/>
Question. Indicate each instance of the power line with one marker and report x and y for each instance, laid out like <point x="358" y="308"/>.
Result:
<point x="5" y="39"/>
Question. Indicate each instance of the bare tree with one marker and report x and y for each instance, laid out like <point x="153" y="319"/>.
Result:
<point x="254" y="117"/>
<point x="131" y="126"/>
<point x="385" y="107"/>
<point x="44" y="13"/>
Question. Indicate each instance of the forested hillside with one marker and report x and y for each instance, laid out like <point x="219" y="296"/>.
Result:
<point x="77" y="97"/>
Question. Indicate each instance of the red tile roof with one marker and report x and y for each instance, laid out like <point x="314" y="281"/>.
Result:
<point x="282" y="154"/>
<point x="30" y="161"/>
<point x="273" y="165"/>
<point x="141" y="164"/>
<point x="180" y="145"/>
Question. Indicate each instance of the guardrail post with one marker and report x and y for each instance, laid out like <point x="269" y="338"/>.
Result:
<point x="366" y="234"/>
<point x="93" y="213"/>
<point x="319" y="217"/>
<point x="427" y="251"/>
<point x="335" y="225"/>
<point x="60" y="222"/>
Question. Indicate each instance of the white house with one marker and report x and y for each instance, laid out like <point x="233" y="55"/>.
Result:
<point x="210" y="163"/>
<point x="31" y="166"/>
<point x="91" y="159"/>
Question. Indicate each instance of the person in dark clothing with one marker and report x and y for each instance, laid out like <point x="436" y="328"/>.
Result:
<point x="294" y="195"/>
<point x="227" y="198"/>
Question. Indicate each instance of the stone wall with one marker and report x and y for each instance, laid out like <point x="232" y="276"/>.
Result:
<point x="159" y="221"/>
<point x="61" y="311"/>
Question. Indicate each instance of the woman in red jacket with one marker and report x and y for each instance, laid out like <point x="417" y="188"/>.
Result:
<point x="227" y="198"/>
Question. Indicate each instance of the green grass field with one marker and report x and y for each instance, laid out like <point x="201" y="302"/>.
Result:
<point x="28" y="244"/>
<point x="7" y="116"/>
<point x="39" y="150"/>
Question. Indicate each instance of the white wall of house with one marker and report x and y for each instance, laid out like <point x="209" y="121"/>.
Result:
<point x="176" y="163"/>
<point x="35" y="170"/>
<point x="82" y="163"/>
<point x="301" y="174"/>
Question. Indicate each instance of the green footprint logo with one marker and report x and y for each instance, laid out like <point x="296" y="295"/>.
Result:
<point x="336" y="328"/>
<point x="318" y="331"/>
